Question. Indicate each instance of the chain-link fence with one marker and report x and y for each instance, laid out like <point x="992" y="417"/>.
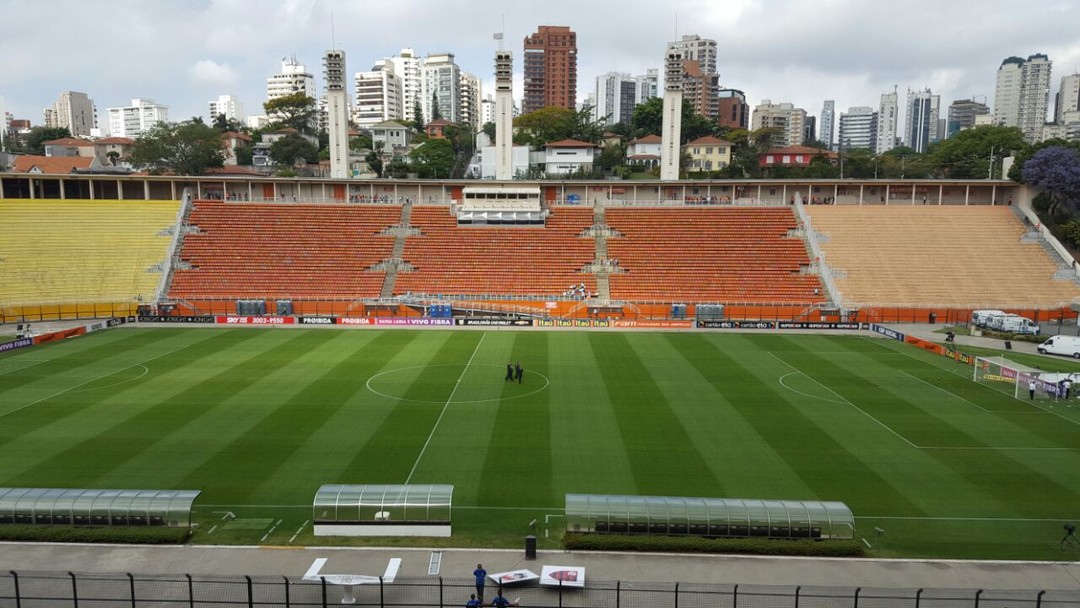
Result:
<point x="56" y="589"/>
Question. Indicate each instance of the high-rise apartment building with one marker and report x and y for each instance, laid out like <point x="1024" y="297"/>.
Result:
<point x="962" y="113"/>
<point x="550" y="69"/>
<point x="618" y="93"/>
<point x="732" y="110"/>
<point x="227" y="106"/>
<point x="858" y="129"/>
<point x="1067" y="100"/>
<point x="469" y="102"/>
<point x="406" y="64"/>
<point x="378" y="96"/>
<point x="785" y="117"/>
<point x="886" y="122"/>
<point x="921" y="120"/>
<point x="293" y="78"/>
<point x="810" y="129"/>
<point x="74" y="111"/>
<point x="827" y="123"/>
<point x="700" y="80"/>
<point x="132" y="121"/>
<point x="1022" y="94"/>
<point x="440" y="81"/>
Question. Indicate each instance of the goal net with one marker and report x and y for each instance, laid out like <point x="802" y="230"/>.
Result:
<point x="1016" y="379"/>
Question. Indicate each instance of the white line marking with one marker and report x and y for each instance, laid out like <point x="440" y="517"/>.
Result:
<point x="948" y="392"/>
<point x="212" y="529"/>
<point x="445" y="406"/>
<point x="308" y="506"/>
<point x="868" y="546"/>
<point x="271" y="531"/>
<point x="98" y="388"/>
<point x="924" y="447"/>
<point x="883" y="425"/>
<point x="808" y="395"/>
<point x="994" y="519"/>
<point x="298" y="531"/>
<point x="94" y="379"/>
<point x="368" y="384"/>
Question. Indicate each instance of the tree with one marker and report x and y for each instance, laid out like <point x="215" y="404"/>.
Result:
<point x="747" y="147"/>
<point x="435" y="158"/>
<point x="113" y="156"/>
<point x="436" y="114"/>
<point x="186" y="148"/>
<point x="1017" y="172"/>
<point x="374" y="159"/>
<point x="489" y="130"/>
<point x="648" y="119"/>
<point x="966" y="155"/>
<point x="544" y="126"/>
<point x="296" y="110"/>
<point x="613" y="155"/>
<point x="360" y="142"/>
<point x="1056" y="171"/>
<point x="36" y="138"/>
<point x="418" y="116"/>
<point x="293" y="149"/>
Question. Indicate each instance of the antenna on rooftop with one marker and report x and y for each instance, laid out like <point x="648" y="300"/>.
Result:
<point x="333" y="40"/>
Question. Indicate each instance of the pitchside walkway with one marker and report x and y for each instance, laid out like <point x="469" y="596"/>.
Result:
<point x="630" y="568"/>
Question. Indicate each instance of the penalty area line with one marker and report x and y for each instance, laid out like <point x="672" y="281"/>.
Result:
<point x="445" y="406"/>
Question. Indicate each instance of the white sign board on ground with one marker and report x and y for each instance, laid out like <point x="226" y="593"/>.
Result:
<point x="566" y="576"/>
<point x="513" y="577"/>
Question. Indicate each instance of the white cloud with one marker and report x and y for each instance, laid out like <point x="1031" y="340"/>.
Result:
<point x="210" y="72"/>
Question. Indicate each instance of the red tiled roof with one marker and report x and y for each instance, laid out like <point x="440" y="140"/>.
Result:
<point x="801" y="150"/>
<point x="570" y="143"/>
<point x="115" y="141"/>
<point x="709" y="140"/>
<point x="648" y="139"/>
<point x="236" y="135"/>
<point x="68" y="141"/>
<point x="53" y="165"/>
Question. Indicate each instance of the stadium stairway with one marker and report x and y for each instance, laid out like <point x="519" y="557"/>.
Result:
<point x="397" y="253"/>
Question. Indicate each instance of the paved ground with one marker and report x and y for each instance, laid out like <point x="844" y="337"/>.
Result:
<point x="459" y="563"/>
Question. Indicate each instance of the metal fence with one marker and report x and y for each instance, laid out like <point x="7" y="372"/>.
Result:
<point x="55" y="589"/>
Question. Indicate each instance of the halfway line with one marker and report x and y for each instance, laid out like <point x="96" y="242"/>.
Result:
<point x="446" y="405"/>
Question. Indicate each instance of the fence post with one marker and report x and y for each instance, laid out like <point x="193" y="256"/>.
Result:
<point x="322" y="580"/>
<point x="382" y="590"/>
<point x="74" y="591"/>
<point x="18" y="597"/>
<point x="560" y="593"/>
<point x="797" y="590"/>
<point x="735" y="597"/>
<point x="288" y="602"/>
<point x="676" y="595"/>
<point x="1038" y="598"/>
<point x="977" y="594"/>
<point x="131" y="582"/>
<point x="440" y="592"/>
<point x="190" y="591"/>
<point x="618" y="594"/>
<point x="251" y="596"/>
<point x="918" y="597"/>
<point x="857" y="590"/>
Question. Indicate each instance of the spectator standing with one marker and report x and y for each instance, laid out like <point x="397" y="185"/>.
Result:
<point x="1031" y="389"/>
<point x="480" y="574"/>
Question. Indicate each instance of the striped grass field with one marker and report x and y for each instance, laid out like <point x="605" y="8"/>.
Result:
<point x="258" y="419"/>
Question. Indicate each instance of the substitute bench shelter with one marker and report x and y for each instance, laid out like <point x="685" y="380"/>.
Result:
<point x="383" y="510"/>
<point x="87" y="507"/>
<point x="708" y="517"/>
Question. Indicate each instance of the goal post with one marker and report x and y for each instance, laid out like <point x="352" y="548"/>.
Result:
<point x="1015" y="379"/>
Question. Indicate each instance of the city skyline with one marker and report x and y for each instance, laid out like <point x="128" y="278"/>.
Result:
<point x="186" y="53"/>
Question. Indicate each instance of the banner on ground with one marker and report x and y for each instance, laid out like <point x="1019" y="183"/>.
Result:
<point x="933" y="347"/>
<point x="495" y="322"/>
<point x="888" y="333"/>
<point x="574" y="323"/>
<point x="59" y="335"/>
<point x="222" y="320"/>
<point x="20" y="343"/>
<point x="653" y="324"/>
<point x="412" y="321"/>
<point x="316" y="320"/>
<point x="733" y="324"/>
<point x="177" y="319"/>
<point x="819" y="325"/>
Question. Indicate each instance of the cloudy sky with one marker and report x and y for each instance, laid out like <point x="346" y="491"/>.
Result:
<point x="185" y="52"/>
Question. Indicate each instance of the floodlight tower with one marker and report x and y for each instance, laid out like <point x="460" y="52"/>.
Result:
<point x="337" y="110"/>
<point x="671" y="131"/>
<point x="504" y="115"/>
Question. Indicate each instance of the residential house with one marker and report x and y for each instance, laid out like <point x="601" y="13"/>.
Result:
<point x="69" y="146"/>
<point x="436" y="129"/>
<point x="569" y="156"/>
<point x="394" y="137"/>
<point x="795" y="156"/>
<point x="644" y="151"/>
<point x="233" y="141"/>
<point x="707" y="154"/>
<point x="109" y="148"/>
<point x="54" y="165"/>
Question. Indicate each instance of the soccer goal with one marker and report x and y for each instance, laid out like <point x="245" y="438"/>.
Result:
<point x="1015" y="379"/>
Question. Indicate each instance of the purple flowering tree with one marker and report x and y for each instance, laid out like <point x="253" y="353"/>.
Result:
<point x="1056" y="171"/>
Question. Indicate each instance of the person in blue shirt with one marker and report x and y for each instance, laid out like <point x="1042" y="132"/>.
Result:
<point x="473" y="602"/>
<point x="502" y="602"/>
<point x="481" y="576"/>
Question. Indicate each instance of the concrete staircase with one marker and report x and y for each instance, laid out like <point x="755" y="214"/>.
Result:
<point x="396" y="262"/>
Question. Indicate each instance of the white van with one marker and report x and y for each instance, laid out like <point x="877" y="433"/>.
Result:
<point x="982" y="317"/>
<point x="1015" y="324"/>
<point x="1062" y="345"/>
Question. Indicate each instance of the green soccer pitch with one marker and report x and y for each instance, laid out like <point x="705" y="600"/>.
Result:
<point x="258" y="419"/>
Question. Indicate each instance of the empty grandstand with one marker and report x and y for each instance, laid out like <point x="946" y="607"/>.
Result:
<point x="950" y="256"/>
<point x="709" y="254"/>
<point x="284" y="250"/>
<point x="82" y="252"/>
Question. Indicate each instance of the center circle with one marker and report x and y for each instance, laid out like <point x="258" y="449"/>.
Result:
<point x="372" y="383"/>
